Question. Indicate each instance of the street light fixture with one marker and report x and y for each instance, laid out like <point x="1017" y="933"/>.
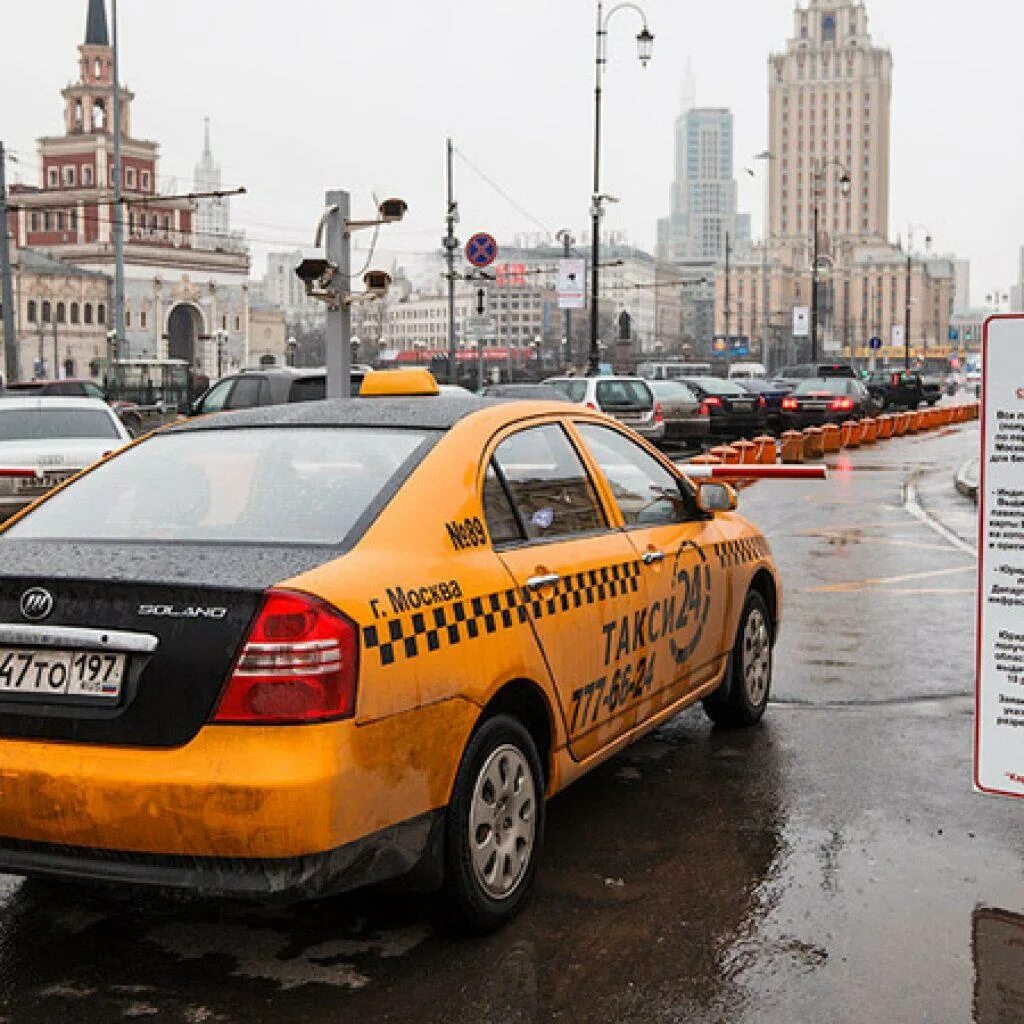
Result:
<point x="819" y="172"/>
<point x="907" y="305"/>
<point x="645" y="50"/>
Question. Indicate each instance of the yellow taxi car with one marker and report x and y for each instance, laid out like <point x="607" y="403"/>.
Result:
<point x="299" y="649"/>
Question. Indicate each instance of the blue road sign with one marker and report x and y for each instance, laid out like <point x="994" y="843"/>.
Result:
<point x="954" y="334"/>
<point x="482" y="250"/>
<point x="875" y="344"/>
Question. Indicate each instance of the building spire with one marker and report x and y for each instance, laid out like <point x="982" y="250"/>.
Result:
<point x="96" y="33"/>
<point x="207" y="151"/>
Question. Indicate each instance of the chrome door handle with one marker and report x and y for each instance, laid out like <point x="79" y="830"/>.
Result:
<point x="540" y="582"/>
<point x="653" y="557"/>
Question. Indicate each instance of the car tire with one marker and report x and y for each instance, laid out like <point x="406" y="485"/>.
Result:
<point x="491" y="861"/>
<point x="740" y="702"/>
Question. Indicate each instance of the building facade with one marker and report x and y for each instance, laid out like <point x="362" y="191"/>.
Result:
<point x="181" y="300"/>
<point x="830" y="97"/>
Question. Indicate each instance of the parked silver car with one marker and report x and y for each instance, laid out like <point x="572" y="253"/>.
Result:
<point x="55" y="437"/>
<point x="630" y="400"/>
<point x="687" y="419"/>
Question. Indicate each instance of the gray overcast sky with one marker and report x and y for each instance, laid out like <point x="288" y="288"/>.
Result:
<point x="307" y="96"/>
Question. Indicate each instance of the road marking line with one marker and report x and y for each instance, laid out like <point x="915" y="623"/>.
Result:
<point x="853" y="585"/>
<point x="912" y="503"/>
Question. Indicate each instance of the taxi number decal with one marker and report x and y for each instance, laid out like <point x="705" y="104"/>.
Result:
<point x="469" y="533"/>
<point x="629" y="683"/>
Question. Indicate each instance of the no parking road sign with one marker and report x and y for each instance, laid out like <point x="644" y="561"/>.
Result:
<point x="481" y="250"/>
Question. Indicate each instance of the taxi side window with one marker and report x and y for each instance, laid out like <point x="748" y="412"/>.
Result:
<point x="548" y="484"/>
<point x="247" y="393"/>
<point x="215" y="399"/>
<point x="646" y="492"/>
<point x="502" y="524"/>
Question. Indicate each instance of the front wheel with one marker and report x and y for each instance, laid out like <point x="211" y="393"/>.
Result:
<point x="494" y="827"/>
<point x="742" y="698"/>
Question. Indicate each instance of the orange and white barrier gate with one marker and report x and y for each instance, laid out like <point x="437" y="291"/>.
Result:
<point x="751" y="472"/>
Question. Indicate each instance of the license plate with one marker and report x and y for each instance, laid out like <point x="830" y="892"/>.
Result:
<point x="61" y="674"/>
<point x="42" y="484"/>
<point x="742" y="406"/>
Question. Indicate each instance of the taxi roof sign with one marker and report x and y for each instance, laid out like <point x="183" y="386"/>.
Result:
<point x="411" y="383"/>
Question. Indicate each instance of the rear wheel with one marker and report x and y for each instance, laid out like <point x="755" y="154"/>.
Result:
<point x="742" y="698"/>
<point x="494" y="827"/>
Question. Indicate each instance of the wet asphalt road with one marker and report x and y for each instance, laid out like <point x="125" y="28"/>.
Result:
<point x="832" y="865"/>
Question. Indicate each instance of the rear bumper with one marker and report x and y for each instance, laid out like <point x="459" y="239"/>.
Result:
<point x="411" y="847"/>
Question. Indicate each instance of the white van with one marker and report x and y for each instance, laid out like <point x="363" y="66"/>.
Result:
<point x="747" y="371"/>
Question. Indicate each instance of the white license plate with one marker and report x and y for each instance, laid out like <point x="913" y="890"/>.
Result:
<point x="42" y="484"/>
<point x="59" y="674"/>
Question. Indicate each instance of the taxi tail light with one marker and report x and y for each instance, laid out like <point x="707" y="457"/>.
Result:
<point x="300" y="663"/>
<point x="790" y="404"/>
<point x="762" y="402"/>
<point x="704" y="410"/>
<point x="841" y="404"/>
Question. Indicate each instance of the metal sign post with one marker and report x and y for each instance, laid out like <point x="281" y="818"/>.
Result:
<point x="339" y="312"/>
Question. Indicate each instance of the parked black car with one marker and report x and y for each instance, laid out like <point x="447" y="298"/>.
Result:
<point x="773" y="392"/>
<point x="733" y="412"/>
<point x="902" y="389"/>
<point x="271" y="386"/>
<point x="816" y="402"/>
<point x="814" y="371"/>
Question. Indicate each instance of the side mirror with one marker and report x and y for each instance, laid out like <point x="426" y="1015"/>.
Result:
<point x="713" y="496"/>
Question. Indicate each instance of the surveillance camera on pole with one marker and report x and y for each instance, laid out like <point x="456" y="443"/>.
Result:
<point x="328" y="279"/>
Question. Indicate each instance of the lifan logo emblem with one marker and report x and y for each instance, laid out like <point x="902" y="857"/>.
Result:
<point x="36" y="604"/>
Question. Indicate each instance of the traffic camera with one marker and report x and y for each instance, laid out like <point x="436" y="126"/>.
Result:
<point x="377" y="283"/>
<point x="392" y="210"/>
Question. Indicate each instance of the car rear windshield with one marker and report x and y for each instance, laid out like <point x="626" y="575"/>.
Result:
<point x="836" y="370"/>
<point x="624" y="394"/>
<point x="717" y="386"/>
<point x="44" y="424"/>
<point x="271" y="485"/>
<point x="672" y="391"/>
<point x="823" y="387"/>
<point x="574" y="390"/>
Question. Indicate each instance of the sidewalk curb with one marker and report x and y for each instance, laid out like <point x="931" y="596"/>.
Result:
<point x="966" y="480"/>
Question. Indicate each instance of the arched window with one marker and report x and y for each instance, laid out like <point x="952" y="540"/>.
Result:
<point x="62" y="313"/>
<point x="74" y="312"/>
<point x="127" y="318"/>
<point x="99" y="116"/>
<point x="101" y="314"/>
<point x="46" y="311"/>
<point x="88" y="312"/>
<point x="32" y="311"/>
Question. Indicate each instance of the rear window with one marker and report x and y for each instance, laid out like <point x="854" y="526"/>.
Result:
<point x="308" y="389"/>
<point x="835" y="370"/>
<point x="44" y="424"/>
<point x="717" y="386"/>
<point x="823" y="387"/>
<point x="574" y="390"/>
<point x="672" y="391"/>
<point x="624" y="394"/>
<point x="274" y="485"/>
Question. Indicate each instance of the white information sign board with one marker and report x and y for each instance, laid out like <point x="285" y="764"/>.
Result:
<point x="572" y="283"/>
<point x="999" y="709"/>
<point x="801" y="321"/>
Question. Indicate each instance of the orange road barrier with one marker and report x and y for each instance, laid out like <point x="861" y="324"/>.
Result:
<point x="975" y="411"/>
<point x="792" y="447"/>
<point x="915" y="422"/>
<point x="767" y="450"/>
<point x="831" y="438"/>
<point x="886" y="426"/>
<point x="720" y="452"/>
<point x="747" y="450"/>
<point x="853" y="434"/>
<point x="900" y="421"/>
<point x="814" y="443"/>
<point x="870" y="426"/>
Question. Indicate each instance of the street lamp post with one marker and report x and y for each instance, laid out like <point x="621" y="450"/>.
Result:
<point x="910" y="267"/>
<point x="645" y="48"/>
<point x="819" y="172"/>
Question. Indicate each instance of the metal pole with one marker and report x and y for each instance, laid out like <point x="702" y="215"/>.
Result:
<point x="594" y="356"/>
<point x="339" y="314"/>
<point x="814" y="282"/>
<point x="728" y="286"/>
<point x="7" y="292"/>
<point x="765" y="308"/>
<point x="906" y="318"/>
<point x="119" y="209"/>
<point x="56" y="355"/>
<point x="567" y="243"/>
<point x="450" y="245"/>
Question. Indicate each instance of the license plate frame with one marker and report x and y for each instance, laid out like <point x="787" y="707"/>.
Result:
<point x="62" y="676"/>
